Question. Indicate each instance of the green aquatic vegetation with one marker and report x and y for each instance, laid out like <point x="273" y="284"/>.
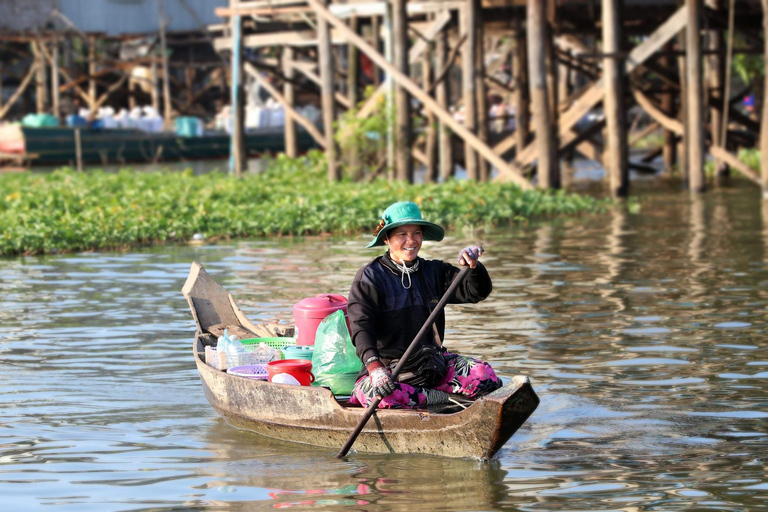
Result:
<point x="70" y="211"/>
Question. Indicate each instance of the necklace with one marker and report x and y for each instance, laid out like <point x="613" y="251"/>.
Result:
<point x="406" y="271"/>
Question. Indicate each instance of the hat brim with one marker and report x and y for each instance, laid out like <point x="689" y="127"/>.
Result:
<point x="431" y="231"/>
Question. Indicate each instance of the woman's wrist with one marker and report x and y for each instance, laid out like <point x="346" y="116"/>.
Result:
<point x="373" y="363"/>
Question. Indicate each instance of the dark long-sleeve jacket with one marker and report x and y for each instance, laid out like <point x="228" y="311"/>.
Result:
<point x="385" y="317"/>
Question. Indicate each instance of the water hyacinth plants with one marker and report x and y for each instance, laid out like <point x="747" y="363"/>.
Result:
<point x="70" y="211"/>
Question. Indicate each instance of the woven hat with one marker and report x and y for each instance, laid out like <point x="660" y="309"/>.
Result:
<point x="402" y="213"/>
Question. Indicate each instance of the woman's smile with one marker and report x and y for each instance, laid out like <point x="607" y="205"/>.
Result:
<point x="404" y="242"/>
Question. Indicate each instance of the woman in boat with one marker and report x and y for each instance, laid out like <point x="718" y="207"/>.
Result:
<point x="392" y="297"/>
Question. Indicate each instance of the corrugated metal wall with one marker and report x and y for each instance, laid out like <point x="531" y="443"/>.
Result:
<point x="20" y="15"/>
<point x="113" y="17"/>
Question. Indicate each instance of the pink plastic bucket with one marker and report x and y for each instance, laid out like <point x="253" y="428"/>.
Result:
<point x="299" y="369"/>
<point x="310" y="312"/>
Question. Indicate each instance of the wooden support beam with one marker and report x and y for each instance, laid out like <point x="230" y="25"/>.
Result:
<point x="545" y="137"/>
<point x="617" y="159"/>
<point x="715" y="76"/>
<point x="595" y="92"/>
<point x="325" y="63"/>
<point x="695" y="114"/>
<point x="637" y="137"/>
<point x="733" y="161"/>
<point x="155" y="85"/>
<point x="72" y="83"/>
<point x="764" y="127"/>
<point x="403" y="132"/>
<point x="669" y="151"/>
<point x="238" y="155"/>
<point x="19" y="91"/>
<point x="167" y="113"/>
<point x="290" y="112"/>
<point x="442" y="95"/>
<point x="292" y="38"/>
<point x="341" y="11"/>
<point x="306" y="70"/>
<point x="468" y="26"/>
<point x="675" y="126"/>
<point x="289" y="132"/>
<point x="582" y="142"/>
<point x="508" y="170"/>
<point x="483" y="169"/>
<point x="522" y="91"/>
<point x="91" y="72"/>
<point x="414" y="55"/>
<point x="353" y="93"/>
<point x="430" y="129"/>
<point x="41" y="91"/>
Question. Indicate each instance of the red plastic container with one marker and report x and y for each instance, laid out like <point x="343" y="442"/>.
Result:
<point x="310" y="312"/>
<point x="299" y="369"/>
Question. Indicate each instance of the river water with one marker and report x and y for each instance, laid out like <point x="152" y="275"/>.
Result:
<point x="644" y="334"/>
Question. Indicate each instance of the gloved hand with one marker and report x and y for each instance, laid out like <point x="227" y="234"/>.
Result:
<point x="470" y="254"/>
<point x="381" y="379"/>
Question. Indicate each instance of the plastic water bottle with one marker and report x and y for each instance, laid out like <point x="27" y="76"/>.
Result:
<point x="231" y="347"/>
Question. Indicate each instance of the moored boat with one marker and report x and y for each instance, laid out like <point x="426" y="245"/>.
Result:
<point x="312" y="415"/>
<point x="57" y="145"/>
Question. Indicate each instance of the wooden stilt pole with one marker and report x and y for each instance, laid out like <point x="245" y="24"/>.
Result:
<point x="431" y="149"/>
<point x="376" y="43"/>
<point x="520" y="81"/>
<point x="325" y="63"/>
<point x="545" y="138"/>
<point x="764" y="126"/>
<point x="40" y="88"/>
<point x="389" y="44"/>
<point x="508" y="171"/>
<point x="616" y="124"/>
<point x="552" y="90"/>
<point x="131" y="94"/>
<point x="237" y="161"/>
<point x="353" y="95"/>
<point x="695" y="128"/>
<point x="483" y="169"/>
<point x="403" y="134"/>
<point x="167" y="112"/>
<point x="553" y="81"/>
<point x="715" y="71"/>
<point x="726" y="99"/>
<point x="92" y="74"/>
<point x="682" y="110"/>
<point x="669" y="150"/>
<point x="155" y="83"/>
<point x="290" y="142"/>
<point x="442" y="94"/>
<point x="468" y="24"/>
<point x="78" y="151"/>
<point x="55" y="94"/>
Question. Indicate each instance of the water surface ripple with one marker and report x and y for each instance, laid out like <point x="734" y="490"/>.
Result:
<point x="644" y="335"/>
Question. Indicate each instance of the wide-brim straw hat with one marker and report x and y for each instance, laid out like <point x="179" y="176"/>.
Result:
<point x="402" y="213"/>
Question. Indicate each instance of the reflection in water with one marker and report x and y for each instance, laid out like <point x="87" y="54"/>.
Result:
<point x="293" y="475"/>
<point x="644" y="335"/>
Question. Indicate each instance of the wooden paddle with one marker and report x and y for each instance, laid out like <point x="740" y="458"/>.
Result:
<point x="411" y="348"/>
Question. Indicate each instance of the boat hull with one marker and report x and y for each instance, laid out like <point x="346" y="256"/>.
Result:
<point x="50" y="146"/>
<point x="311" y="415"/>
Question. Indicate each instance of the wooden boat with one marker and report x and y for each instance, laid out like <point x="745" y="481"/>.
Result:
<point x="312" y="415"/>
<point x="56" y="145"/>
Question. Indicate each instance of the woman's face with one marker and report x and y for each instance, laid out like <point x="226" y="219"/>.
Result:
<point x="404" y="242"/>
